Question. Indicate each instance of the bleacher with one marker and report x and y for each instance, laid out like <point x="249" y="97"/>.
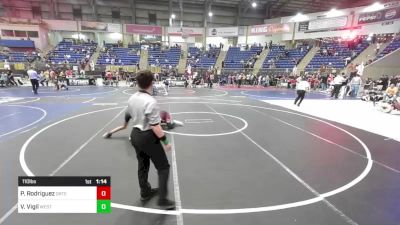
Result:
<point x="338" y="59"/>
<point x="135" y="46"/>
<point x="77" y="52"/>
<point x="394" y="45"/>
<point x="278" y="57"/>
<point x="235" y="56"/>
<point x="164" y="58"/>
<point x="118" y="56"/>
<point x="204" y="60"/>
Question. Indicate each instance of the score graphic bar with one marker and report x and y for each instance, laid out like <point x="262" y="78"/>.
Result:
<point x="64" y="194"/>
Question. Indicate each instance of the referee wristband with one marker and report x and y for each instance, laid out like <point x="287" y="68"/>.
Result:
<point x="164" y="140"/>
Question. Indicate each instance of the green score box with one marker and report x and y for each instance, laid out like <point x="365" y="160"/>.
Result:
<point x="103" y="206"/>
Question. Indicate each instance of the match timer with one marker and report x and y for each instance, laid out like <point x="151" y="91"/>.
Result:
<point x="64" y="194"/>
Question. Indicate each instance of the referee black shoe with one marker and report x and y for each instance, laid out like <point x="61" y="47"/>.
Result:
<point x="166" y="204"/>
<point x="149" y="195"/>
<point x="107" y="135"/>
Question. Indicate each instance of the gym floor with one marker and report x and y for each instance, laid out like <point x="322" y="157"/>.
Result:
<point x="237" y="160"/>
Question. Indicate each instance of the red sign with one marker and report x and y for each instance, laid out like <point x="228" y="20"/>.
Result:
<point x="269" y="29"/>
<point x="143" y="29"/>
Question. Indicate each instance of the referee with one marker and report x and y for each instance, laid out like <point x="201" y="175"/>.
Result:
<point x="146" y="137"/>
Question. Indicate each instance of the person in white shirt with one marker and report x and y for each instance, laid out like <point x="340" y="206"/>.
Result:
<point x="301" y="88"/>
<point x="337" y="84"/>
<point x="34" y="77"/>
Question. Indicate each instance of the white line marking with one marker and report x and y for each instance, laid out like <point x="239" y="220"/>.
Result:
<point x="145" y="210"/>
<point x="328" y="141"/>
<point x="177" y="193"/>
<point x="199" y="121"/>
<point x="12" y="114"/>
<point x="34" y="122"/>
<point x="305" y="184"/>
<point x="210" y="135"/>
<point x="90" y="100"/>
<point x="27" y="130"/>
<point x="238" y="210"/>
<point x="105" y="104"/>
<point x="22" y="161"/>
<point x="8" y="213"/>
<point x="84" y="144"/>
<point x="34" y="100"/>
<point x="29" y="172"/>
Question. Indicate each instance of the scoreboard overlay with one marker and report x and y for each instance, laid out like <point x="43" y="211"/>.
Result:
<point x="62" y="194"/>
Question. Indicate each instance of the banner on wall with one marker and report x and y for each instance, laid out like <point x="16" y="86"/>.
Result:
<point x="185" y="31"/>
<point x="379" y="16"/>
<point x="143" y="29"/>
<point x="93" y="26"/>
<point x="61" y="25"/>
<point x="269" y="29"/>
<point x="223" y="31"/>
<point x="323" y="24"/>
<point x="114" y="27"/>
<point x="96" y="26"/>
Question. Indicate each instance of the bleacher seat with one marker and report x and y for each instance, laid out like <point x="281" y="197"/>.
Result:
<point x="74" y="50"/>
<point x="284" y="62"/>
<point x="165" y="58"/>
<point x="122" y="56"/>
<point x="394" y="45"/>
<point x="235" y="56"/>
<point x="205" y="59"/>
<point x="337" y="61"/>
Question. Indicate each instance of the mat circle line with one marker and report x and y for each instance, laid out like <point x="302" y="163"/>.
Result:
<point x="321" y="197"/>
<point x="34" y="122"/>
<point x="210" y="135"/>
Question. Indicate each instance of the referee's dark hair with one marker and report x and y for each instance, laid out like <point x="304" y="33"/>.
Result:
<point x="144" y="79"/>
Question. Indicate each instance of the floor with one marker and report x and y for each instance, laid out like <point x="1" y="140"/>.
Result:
<point x="239" y="159"/>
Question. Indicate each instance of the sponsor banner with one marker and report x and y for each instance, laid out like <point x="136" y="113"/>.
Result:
<point x="223" y="31"/>
<point x="269" y="29"/>
<point x="323" y="24"/>
<point x="392" y="4"/>
<point x="20" y="20"/>
<point x="114" y="27"/>
<point x="61" y="25"/>
<point x="96" y="26"/>
<point x="327" y="23"/>
<point x="303" y="26"/>
<point x="185" y="31"/>
<point x="379" y="16"/>
<point x="143" y="29"/>
<point x="93" y="26"/>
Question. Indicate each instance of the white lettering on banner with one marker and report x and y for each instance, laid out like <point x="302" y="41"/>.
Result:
<point x="269" y="29"/>
<point x="223" y="31"/>
<point x="187" y="31"/>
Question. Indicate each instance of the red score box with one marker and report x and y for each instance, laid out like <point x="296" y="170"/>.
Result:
<point x="103" y="193"/>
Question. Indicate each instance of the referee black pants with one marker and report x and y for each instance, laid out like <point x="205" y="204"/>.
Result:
<point x="336" y="90"/>
<point x="35" y="85"/>
<point x="148" y="147"/>
<point x="300" y="96"/>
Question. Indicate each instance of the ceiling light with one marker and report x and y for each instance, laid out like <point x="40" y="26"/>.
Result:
<point x="299" y="18"/>
<point x="334" y="13"/>
<point x="210" y="14"/>
<point x="173" y="16"/>
<point x="374" y="7"/>
<point x="254" y="4"/>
